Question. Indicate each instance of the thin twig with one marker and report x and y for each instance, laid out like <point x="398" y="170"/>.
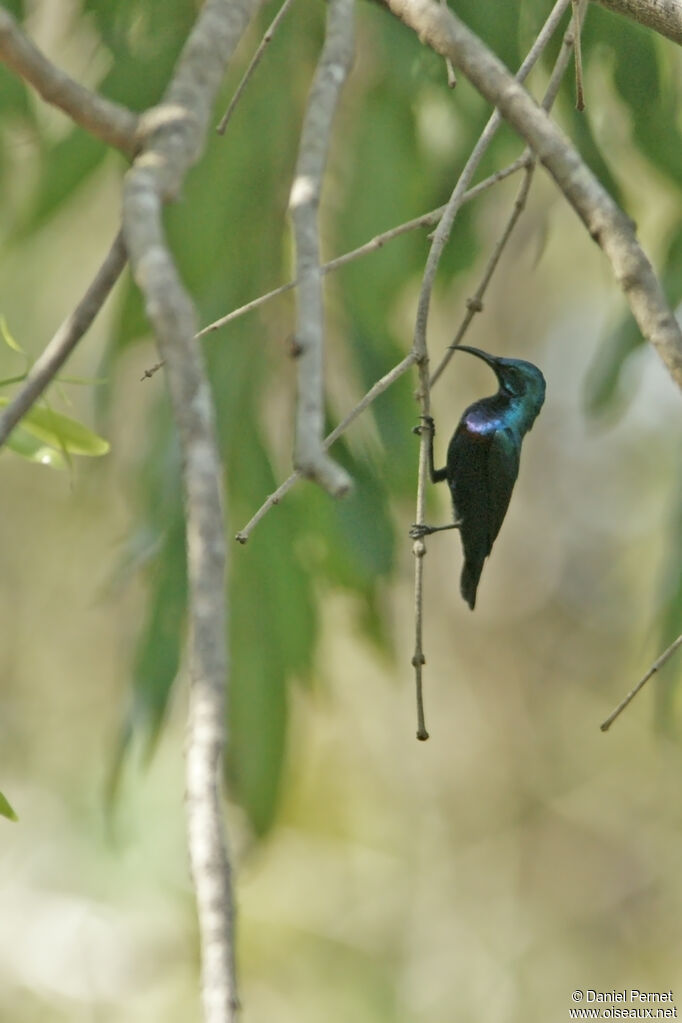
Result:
<point x="656" y="666"/>
<point x="419" y="547"/>
<point x="58" y="349"/>
<point x="418" y="659"/>
<point x="442" y="233"/>
<point x="427" y="220"/>
<point x="334" y="64"/>
<point x="255" y="61"/>
<point x="475" y="303"/>
<point x="452" y="77"/>
<point x="106" y="120"/>
<point x="375" y="390"/>
<point x="578" y="8"/>
<point x="605" y="222"/>
<point x="373" y="245"/>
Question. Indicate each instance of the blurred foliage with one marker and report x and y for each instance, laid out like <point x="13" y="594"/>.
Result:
<point x="56" y="431"/>
<point x="6" y="809"/>
<point x="230" y="237"/>
<point x="45" y="436"/>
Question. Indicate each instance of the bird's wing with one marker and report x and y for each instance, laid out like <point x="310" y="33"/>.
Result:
<point x="482" y="470"/>
<point x="501" y="471"/>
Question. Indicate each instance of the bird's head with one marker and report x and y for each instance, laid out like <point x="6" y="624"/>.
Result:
<point x="517" y="379"/>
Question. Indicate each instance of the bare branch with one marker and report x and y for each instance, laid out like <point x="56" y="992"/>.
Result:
<point x="375" y="390"/>
<point x="419" y="551"/>
<point x="475" y="303"/>
<point x="656" y="666"/>
<point x="442" y="233"/>
<point x="58" y="349"/>
<point x="606" y="223"/>
<point x="106" y="120"/>
<point x="335" y="62"/>
<point x="663" y="16"/>
<point x="255" y="61"/>
<point x="174" y="136"/>
<point x="373" y="245"/>
<point x="427" y="220"/>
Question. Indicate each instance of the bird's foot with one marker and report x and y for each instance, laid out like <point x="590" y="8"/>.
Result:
<point x="417" y="531"/>
<point x="426" y="423"/>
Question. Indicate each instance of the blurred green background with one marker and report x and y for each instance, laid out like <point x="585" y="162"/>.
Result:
<point x="519" y="854"/>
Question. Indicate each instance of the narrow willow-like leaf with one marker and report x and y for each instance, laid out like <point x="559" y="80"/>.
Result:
<point x="62" y="432"/>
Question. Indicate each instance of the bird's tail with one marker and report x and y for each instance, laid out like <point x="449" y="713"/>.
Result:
<point x="471" y="574"/>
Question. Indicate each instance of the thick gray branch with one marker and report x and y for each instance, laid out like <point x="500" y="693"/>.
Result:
<point x="663" y="16"/>
<point x="174" y="135"/>
<point x="335" y="61"/>
<point x="606" y="223"/>
<point x="108" y="121"/>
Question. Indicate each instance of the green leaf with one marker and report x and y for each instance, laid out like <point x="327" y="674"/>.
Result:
<point x="591" y="151"/>
<point x="605" y="392"/>
<point x="15" y="7"/>
<point x="62" y="432"/>
<point x="159" y="649"/>
<point x="29" y="447"/>
<point x="6" y="381"/>
<point x="9" y="339"/>
<point x="257" y="703"/>
<point x="6" y="810"/>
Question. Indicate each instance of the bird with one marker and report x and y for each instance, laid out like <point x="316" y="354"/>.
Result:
<point x="483" y="460"/>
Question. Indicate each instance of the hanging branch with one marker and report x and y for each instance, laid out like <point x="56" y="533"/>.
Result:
<point x="656" y="666"/>
<point x="165" y="141"/>
<point x="56" y="352"/>
<point x="335" y="62"/>
<point x="174" y="134"/>
<point x="106" y="120"/>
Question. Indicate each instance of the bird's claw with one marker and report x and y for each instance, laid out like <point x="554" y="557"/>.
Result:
<point x="418" y="531"/>
<point x="426" y="421"/>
